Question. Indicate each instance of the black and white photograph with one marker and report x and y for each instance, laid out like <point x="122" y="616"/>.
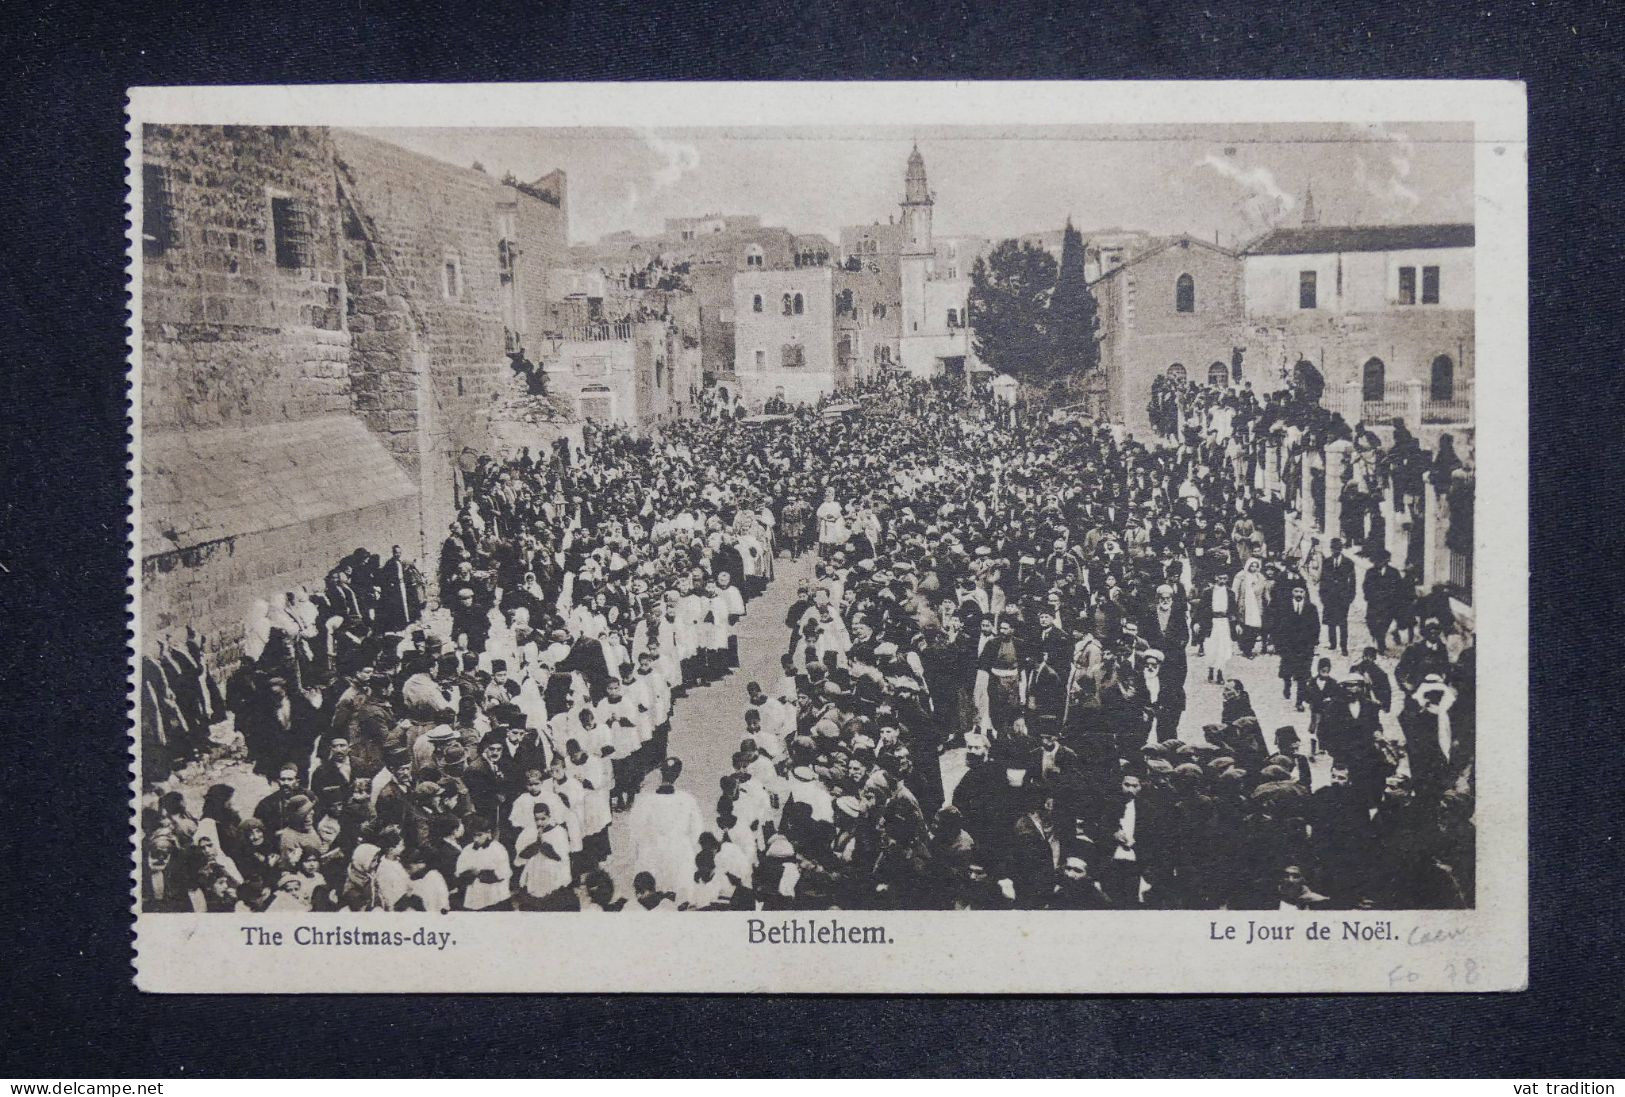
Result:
<point x="814" y="530"/>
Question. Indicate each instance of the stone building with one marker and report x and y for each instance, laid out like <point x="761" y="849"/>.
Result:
<point x="426" y="268"/>
<point x="324" y="326"/>
<point x="1173" y="309"/>
<point x="255" y="473"/>
<point x="1378" y="319"/>
<point x="533" y="240"/>
<point x="627" y="372"/>
<point x="1383" y="314"/>
<point x="934" y="335"/>
<point x="784" y="334"/>
<point x="870" y="270"/>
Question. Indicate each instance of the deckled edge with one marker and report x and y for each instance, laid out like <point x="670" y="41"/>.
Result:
<point x="132" y="473"/>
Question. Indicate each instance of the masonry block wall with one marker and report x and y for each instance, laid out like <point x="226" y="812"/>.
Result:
<point x="1406" y="340"/>
<point x="230" y="336"/>
<point x="1144" y="332"/>
<point x="542" y="228"/>
<point x="434" y="228"/>
<point x="246" y="393"/>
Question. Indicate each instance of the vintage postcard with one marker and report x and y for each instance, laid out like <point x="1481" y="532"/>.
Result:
<point x="908" y="538"/>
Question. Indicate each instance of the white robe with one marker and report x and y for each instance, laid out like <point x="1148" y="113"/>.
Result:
<point x="716" y="631"/>
<point x="831" y="528"/>
<point x="664" y="829"/>
<point x="594" y="770"/>
<point x="1248" y="587"/>
<point x="480" y="894"/>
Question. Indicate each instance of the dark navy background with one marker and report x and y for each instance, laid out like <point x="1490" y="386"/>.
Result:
<point x="70" y="1010"/>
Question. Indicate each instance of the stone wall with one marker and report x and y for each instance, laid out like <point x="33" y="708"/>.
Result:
<point x="235" y="514"/>
<point x="255" y="477"/>
<point x="1143" y="333"/>
<point x="595" y="378"/>
<point x="760" y="337"/>
<point x="229" y="336"/>
<point x="433" y="228"/>
<point x="1406" y="340"/>
<point x="543" y="235"/>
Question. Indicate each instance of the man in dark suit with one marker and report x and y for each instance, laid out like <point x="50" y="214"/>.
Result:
<point x="401" y="593"/>
<point x="1386" y="592"/>
<point x="1166" y="628"/>
<point x="1034" y="851"/>
<point x="1382" y="689"/>
<point x="1336" y="595"/>
<point x="1297" y="630"/>
<point x="1427" y="656"/>
<point x="1050" y="762"/>
<point x="1119" y="830"/>
<point x="1165" y="691"/>
<point x="333" y="779"/>
<point x="1349" y="727"/>
<point x="1075" y="890"/>
<point x="1340" y="836"/>
<point x="487" y="779"/>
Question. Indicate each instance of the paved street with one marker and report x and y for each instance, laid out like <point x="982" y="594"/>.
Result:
<point x="708" y="723"/>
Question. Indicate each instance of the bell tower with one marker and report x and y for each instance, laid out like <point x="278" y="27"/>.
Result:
<point x="916" y="207"/>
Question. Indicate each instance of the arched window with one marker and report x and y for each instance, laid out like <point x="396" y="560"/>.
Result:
<point x="798" y="304"/>
<point x="1442" y="384"/>
<point x="1185" y="294"/>
<point x="1176" y="372"/>
<point x="756" y="303"/>
<point x="1373" y="380"/>
<point x="1218" y="375"/>
<point x="753" y="255"/>
<point x="953" y="318"/>
<point x="660" y="373"/>
<point x="787" y="307"/>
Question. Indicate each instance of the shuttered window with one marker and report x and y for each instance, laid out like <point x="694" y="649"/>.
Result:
<point x="1430" y="285"/>
<point x="157" y="210"/>
<point x="294" y="227"/>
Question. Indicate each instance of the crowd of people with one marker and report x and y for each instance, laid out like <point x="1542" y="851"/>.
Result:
<point x="981" y="701"/>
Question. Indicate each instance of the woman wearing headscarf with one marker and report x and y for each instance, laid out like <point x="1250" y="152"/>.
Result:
<point x="206" y="845"/>
<point x="360" y="887"/>
<point x="167" y="882"/>
<point x="252" y="852"/>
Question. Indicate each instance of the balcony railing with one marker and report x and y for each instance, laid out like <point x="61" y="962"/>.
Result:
<point x="1413" y="401"/>
<point x="593" y="331"/>
<point x="1454" y="406"/>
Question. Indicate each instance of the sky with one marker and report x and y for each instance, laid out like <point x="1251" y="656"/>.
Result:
<point x="1234" y="180"/>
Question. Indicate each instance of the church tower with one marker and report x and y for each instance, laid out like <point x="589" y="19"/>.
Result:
<point x="916" y="207"/>
<point x="915" y="265"/>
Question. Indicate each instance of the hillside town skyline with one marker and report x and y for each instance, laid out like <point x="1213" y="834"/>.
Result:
<point x="1226" y="184"/>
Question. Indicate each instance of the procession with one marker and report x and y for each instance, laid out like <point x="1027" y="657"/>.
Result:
<point x="911" y="647"/>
